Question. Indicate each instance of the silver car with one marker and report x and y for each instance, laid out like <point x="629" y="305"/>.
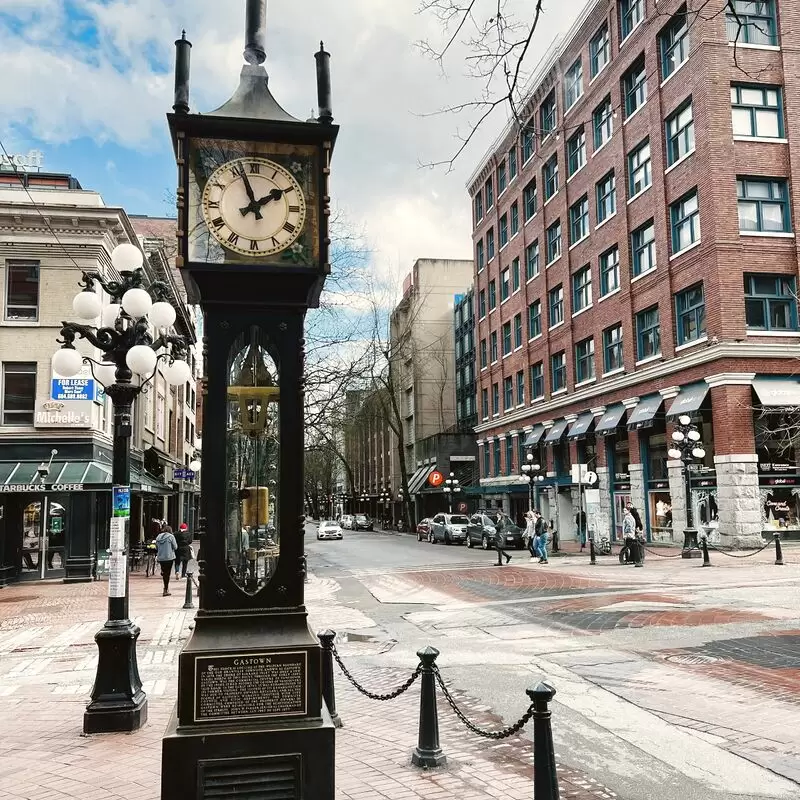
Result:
<point x="448" y="528"/>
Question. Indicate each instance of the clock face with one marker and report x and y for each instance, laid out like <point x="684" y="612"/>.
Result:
<point x="253" y="206"/>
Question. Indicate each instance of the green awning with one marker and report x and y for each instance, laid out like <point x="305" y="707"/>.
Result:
<point x="581" y="426"/>
<point x="90" y="474"/>
<point x="689" y="400"/>
<point x="609" y="422"/>
<point x="534" y="437"/>
<point x="775" y="392"/>
<point x="556" y="432"/>
<point x="645" y="412"/>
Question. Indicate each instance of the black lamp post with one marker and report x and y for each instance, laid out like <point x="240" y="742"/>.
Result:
<point x="123" y="335"/>
<point x="531" y="476"/>
<point x="451" y="488"/>
<point x="686" y="446"/>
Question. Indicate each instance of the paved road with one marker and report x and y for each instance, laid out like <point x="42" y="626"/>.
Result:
<point x="673" y="681"/>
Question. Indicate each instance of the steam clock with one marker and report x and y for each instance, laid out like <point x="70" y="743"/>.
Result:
<point x="253" y="252"/>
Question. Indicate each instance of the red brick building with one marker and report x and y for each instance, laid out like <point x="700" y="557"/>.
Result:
<point x="636" y="258"/>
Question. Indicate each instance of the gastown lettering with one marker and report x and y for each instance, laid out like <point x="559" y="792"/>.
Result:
<point x="245" y="662"/>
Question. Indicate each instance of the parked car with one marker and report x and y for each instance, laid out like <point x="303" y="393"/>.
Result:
<point x="329" y="529"/>
<point x="449" y="528"/>
<point x="346" y="522"/>
<point x="485" y="527"/>
<point x="361" y="522"/>
<point x="423" y="529"/>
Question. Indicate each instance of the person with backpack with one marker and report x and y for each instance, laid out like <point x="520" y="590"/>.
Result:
<point x="166" y="550"/>
<point x="540" y="538"/>
<point x="184" y="539"/>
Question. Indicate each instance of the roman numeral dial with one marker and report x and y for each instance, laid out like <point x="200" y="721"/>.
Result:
<point x="254" y="207"/>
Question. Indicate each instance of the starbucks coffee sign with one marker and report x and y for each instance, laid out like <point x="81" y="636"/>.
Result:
<point x="55" y="414"/>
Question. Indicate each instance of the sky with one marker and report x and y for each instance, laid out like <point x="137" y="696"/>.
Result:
<point x="89" y="82"/>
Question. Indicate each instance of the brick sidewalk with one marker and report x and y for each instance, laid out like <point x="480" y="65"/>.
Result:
<point x="47" y="664"/>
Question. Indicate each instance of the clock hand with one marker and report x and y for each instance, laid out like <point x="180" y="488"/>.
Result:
<point x="275" y="194"/>
<point x="252" y="205"/>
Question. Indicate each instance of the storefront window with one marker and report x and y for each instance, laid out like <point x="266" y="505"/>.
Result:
<point x="780" y="508"/>
<point x="43" y="536"/>
<point x="660" y="511"/>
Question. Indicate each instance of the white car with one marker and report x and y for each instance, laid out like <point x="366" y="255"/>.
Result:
<point x="328" y="529"/>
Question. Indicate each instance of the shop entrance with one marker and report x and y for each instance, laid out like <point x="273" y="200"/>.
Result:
<point x="43" y="536"/>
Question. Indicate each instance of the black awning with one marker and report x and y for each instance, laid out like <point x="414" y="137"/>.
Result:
<point x="688" y="400"/>
<point x="556" y="432"/>
<point x="609" y="422"/>
<point x="774" y="392"/>
<point x="645" y="412"/>
<point x="581" y="425"/>
<point x="534" y="437"/>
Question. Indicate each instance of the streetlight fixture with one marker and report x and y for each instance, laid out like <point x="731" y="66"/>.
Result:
<point x="686" y="446"/>
<point x="450" y="488"/>
<point x="122" y="332"/>
<point x="531" y="476"/>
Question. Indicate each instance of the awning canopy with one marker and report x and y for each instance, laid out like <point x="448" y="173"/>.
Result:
<point x="609" y="422"/>
<point x="143" y="482"/>
<point x="534" y="437"/>
<point x="419" y="478"/>
<point x="688" y="400"/>
<point x="556" y="432"/>
<point x="645" y="412"/>
<point x="581" y="425"/>
<point x="774" y="392"/>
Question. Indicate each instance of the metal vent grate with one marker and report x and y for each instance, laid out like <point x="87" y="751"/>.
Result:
<point x="267" y="778"/>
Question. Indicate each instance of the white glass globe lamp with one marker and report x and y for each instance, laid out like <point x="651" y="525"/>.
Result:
<point x="137" y="303"/>
<point x="67" y="362"/>
<point x="106" y="373"/>
<point x="87" y="305"/>
<point x="126" y="257"/>
<point x="141" y="359"/>
<point x="162" y="315"/>
<point x="673" y="453"/>
<point x="109" y="314"/>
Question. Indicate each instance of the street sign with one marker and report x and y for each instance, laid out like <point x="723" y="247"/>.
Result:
<point x="182" y="474"/>
<point x="436" y="478"/>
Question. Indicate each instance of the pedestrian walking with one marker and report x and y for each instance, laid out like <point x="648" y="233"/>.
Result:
<point x="498" y="541"/>
<point x="540" y="538"/>
<point x="637" y="553"/>
<point x="580" y="524"/>
<point x="166" y="550"/>
<point x="629" y="535"/>
<point x="530" y="533"/>
<point x="184" y="539"/>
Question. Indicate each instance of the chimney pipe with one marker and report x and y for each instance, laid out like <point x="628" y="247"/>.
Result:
<point x="324" y="85"/>
<point x="255" y="32"/>
<point x="183" y="51"/>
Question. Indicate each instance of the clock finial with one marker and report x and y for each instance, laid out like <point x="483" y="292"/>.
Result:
<point x="255" y="32"/>
<point x="324" y="85"/>
<point x="183" y="49"/>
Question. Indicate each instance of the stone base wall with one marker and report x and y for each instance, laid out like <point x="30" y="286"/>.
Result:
<point x="739" y="500"/>
<point x="677" y="491"/>
<point x="602" y="522"/>
<point x="636" y="472"/>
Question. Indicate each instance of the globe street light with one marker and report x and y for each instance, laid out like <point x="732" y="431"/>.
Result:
<point x="450" y="489"/>
<point x="531" y="476"/>
<point x="122" y="332"/>
<point x="686" y="446"/>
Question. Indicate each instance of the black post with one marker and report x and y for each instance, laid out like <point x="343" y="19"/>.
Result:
<point x="427" y="753"/>
<point x="592" y="553"/>
<point x="324" y="85"/>
<point x="690" y="543"/>
<point x="255" y="32"/>
<point x="778" y="551"/>
<point x="545" y="779"/>
<point x="183" y="53"/>
<point x="188" y="602"/>
<point x="326" y="641"/>
<point x="704" y="546"/>
<point x="118" y="702"/>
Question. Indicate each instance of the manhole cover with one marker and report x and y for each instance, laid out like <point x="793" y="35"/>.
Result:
<point x="695" y="660"/>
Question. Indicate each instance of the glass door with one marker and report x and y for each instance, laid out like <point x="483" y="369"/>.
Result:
<point x="43" y="538"/>
<point x="53" y="561"/>
<point x="32" y="541"/>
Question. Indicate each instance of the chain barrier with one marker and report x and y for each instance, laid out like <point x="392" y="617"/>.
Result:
<point x="746" y="555"/>
<point x="658" y="555"/>
<point x="501" y="734"/>
<point x="372" y="696"/>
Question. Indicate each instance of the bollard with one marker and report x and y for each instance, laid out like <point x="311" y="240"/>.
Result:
<point x="704" y="547"/>
<point x="187" y="600"/>
<point x="778" y="550"/>
<point x="427" y="753"/>
<point x="326" y="640"/>
<point x="592" y="553"/>
<point x="545" y="779"/>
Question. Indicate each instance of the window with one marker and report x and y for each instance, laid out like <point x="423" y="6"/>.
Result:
<point x="485" y="414"/>
<point x="478" y="207"/>
<point x="763" y="205"/>
<point x="490" y="244"/>
<point x="503" y="231"/>
<point x="481" y="304"/>
<point x="508" y="393"/>
<point x="573" y="84"/>
<point x="582" y="289"/>
<point x="556" y="305"/>
<point x="495" y="398"/>
<point x="532" y="260"/>
<point x="643" y="249"/>
<point x="584" y="360"/>
<point x="520" y="388"/>
<point x="690" y="312"/>
<point x="512" y="164"/>
<point x="501" y="178"/>
<point x="489" y="189"/>
<point x="497" y="466"/>
<point x="685" y="216"/>
<point x="506" y="338"/>
<point x="505" y="284"/>
<point x="576" y="151"/>
<point x="648" y="333"/>
<point x="550" y="177"/>
<point x="484" y="354"/>
<point x="579" y="220"/>
<point x="514" y="211"/>
<point x="753" y="23"/>
<point x="534" y="318"/>
<point x="509" y="455"/>
<point x="631" y="13"/>
<point x="757" y="111"/>
<point x="640" y="172"/>
<point x="634" y="86"/>
<point x="515" y="275"/>
<point x="603" y="119"/>
<point x="547" y="115"/>
<point x="18" y="393"/>
<point x="770" y="302"/>
<point x="22" y="290"/>
<point x="606" y="197"/>
<point x="680" y="133"/>
<point x="558" y="371"/>
<point x="612" y="348"/>
<point x="486" y="456"/>
<point x="609" y="271"/>
<point x="537" y="380"/>
<point x="527" y="145"/>
<point x="529" y="200"/>
<point x="493" y="345"/>
<point x="480" y="254"/>
<point x="673" y="43"/>
<point x="517" y="331"/>
<point x="599" y="51"/>
<point x="554" y="241"/>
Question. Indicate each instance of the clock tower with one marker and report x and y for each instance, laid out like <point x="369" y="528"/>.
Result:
<point x="253" y="244"/>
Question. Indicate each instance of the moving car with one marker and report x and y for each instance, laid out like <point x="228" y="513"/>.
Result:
<point x="449" y="528"/>
<point x="361" y="522"/>
<point x="423" y="529"/>
<point x="485" y="527"/>
<point x="328" y="529"/>
<point x="346" y="522"/>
